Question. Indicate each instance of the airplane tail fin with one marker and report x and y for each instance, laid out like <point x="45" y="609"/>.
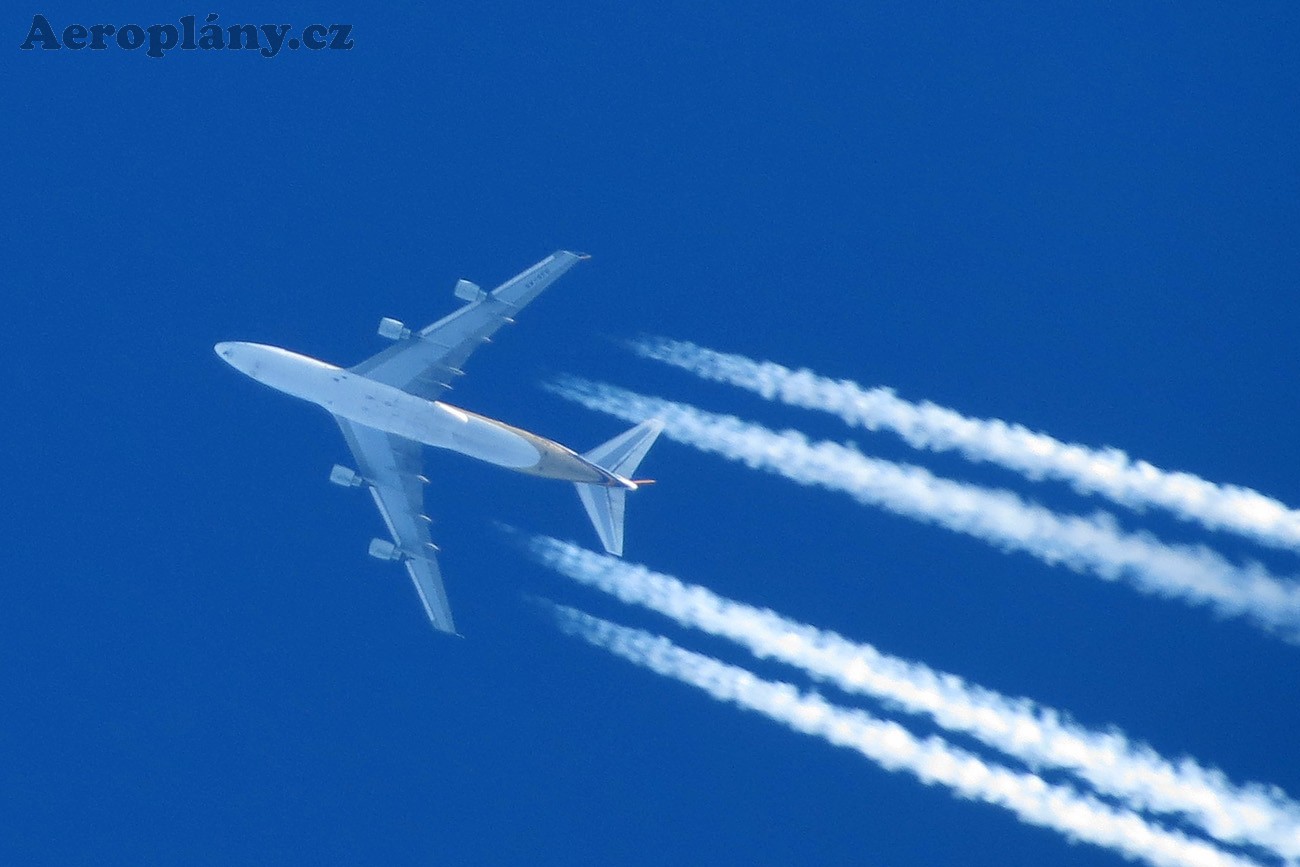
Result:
<point x="620" y="456"/>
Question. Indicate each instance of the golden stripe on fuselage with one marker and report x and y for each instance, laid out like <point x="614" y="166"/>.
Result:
<point x="557" y="461"/>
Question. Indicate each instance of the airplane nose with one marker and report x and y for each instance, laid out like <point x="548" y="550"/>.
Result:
<point x="237" y="355"/>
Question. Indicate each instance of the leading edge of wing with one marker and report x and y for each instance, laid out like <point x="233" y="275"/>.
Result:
<point x="390" y="467"/>
<point x="426" y="363"/>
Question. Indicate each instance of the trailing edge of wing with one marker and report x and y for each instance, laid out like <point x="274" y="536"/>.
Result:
<point x="427" y="578"/>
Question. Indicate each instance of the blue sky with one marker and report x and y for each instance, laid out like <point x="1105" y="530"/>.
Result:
<point x="1082" y="220"/>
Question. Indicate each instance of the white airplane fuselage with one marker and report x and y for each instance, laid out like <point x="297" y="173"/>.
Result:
<point x="431" y="422"/>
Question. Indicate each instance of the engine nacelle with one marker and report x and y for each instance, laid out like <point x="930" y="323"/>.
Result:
<point x="393" y="329"/>
<point x="468" y="291"/>
<point x="345" y="478"/>
<point x="382" y="549"/>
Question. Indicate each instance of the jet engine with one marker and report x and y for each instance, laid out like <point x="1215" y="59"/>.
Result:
<point x="468" y="291"/>
<point x="345" y="478"/>
<point x="393" y="329"/>
<point x="382" y="549"/>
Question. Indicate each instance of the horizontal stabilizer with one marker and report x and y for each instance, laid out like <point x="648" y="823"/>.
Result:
<point x="605" y="503"/>
<point x="604" y="507"/>
<point x="624" y="453"/>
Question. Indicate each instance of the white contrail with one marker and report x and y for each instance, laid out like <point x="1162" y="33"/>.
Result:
<point x="1041" y="737"/>
<point x="1107" y="471"/>
<point x="1093" y="544"/>
<point x="931" y="760"/>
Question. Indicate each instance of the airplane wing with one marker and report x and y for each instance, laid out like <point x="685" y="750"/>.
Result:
<point x="390" y="466"/>
<point x="425" y="363"/>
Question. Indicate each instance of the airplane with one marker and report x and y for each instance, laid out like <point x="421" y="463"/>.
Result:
<point x="388" y="409"/>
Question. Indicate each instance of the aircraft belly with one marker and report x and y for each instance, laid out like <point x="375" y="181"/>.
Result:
<point x="440" y="425"/>
<point x="549" y="459"/>
<point x="560" y="463"/>
<point x="492" y="442"/>
<point x="383" y="408"/>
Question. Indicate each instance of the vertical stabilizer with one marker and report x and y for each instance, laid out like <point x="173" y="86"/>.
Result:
<point x="620" y="456"/>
